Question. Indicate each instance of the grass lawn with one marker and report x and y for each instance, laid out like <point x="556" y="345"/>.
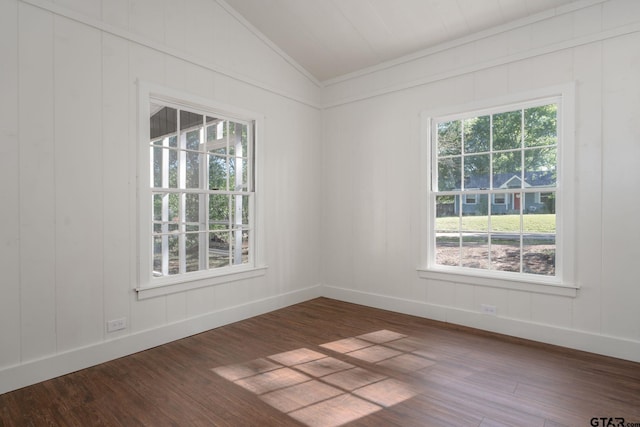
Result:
<point x="535" y="223"/>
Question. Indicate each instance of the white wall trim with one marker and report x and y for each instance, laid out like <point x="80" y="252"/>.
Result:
<point x="31" y="372"/>
<point x="606" y="345"/>
<point x="176" y="53"/>
<point x="567" y="44"/>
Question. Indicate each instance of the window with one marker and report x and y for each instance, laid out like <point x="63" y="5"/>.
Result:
<point x="497" y="206"/>
<point x="197" y="192"/>
<point x="470" y="199"/>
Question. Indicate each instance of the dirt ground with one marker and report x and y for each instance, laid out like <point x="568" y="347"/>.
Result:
<point x="538" y="259"/>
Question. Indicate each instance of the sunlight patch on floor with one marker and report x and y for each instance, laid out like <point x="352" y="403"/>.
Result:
<point x="323" y="391"/>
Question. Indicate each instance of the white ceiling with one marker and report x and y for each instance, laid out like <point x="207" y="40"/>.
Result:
<point x="330" y="38"/>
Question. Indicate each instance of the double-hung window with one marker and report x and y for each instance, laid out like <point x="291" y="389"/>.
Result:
<point x="499" y="202"/>
<point x="197" y="191"/>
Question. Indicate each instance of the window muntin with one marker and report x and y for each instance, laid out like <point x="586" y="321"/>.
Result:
<point x="201" y="190"/>
<point x="494" y="187"/>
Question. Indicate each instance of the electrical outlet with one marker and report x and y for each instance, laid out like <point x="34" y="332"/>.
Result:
<point x="489" y="309"/>
<point x="116" y="324"/>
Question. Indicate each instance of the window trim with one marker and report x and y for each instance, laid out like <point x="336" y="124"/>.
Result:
<point x="146" y="285"/>
<point x="563" y="283"/>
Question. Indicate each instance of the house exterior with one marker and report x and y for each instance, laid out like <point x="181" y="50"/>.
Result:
<point x="510" y="201"/>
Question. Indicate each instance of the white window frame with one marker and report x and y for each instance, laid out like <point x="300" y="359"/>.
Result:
<point x="563" y="283"/>
<point x="149" y="286"/>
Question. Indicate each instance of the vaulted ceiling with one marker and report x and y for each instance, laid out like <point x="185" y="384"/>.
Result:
<point x="331" y="38"/>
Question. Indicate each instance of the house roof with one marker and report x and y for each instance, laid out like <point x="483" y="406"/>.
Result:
<point x="511" y="180"/>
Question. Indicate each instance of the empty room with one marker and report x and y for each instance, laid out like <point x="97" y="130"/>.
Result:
<point x="319" y="213"/>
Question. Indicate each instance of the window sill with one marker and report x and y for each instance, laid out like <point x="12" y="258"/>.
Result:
<point x="531" y="283"/>
<point x="200" y="281"/>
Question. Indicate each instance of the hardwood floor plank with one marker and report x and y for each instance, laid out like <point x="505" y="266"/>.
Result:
<point x="325" y="363"/>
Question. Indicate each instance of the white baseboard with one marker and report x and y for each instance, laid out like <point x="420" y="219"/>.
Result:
<point x="606" y="345"/>
<point x="31" y="372"/>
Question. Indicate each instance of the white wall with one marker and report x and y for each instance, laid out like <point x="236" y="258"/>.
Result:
<point x="371" y="168"/>
<point x="67" y="166"/>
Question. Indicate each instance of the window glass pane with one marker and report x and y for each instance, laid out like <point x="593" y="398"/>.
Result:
<point x="157" y="256"/>
<point x="449" y="176"/>
<point x="507" y="130"/>
<point x="245" y="141"/>
<point x="192" y="207"/>
<point x="505" y="223"/>
<point x="173" y="168"/>
<point x="192" y="169"/>
<point x="240" y="247"/>
<point x="474" y="215"/>
<point x="447" y="213"/>
<point x="216" y="141"/>
<point x="163" y="120"/>
<point x="240" y="209"/>
<point x="219" y="206"/>
<point x="507" y="169"/>
<point x="447" y="229"/>
<point x="539" y="254"/>
<point x="538" y="219"/>
<point x="476" y="172"/>
<point x="449" y="138"/>
<point x="540" y="125"/>
<point x="219" y="249"/>
<point x="238" y="173"/>
<point x="214" y="128"/>
<point x="166" y="255"/>
<point x="540" y="167"/>
<point x="549" y="201"/>
<point x="539" y="226"/>
<point x="244" y="180"/>
<point x="173" y="254"/>
<point x="189" y="120"/>
<point x="157" y="205"/>
<point x="156" y="155"/>
<point x="192" y="251"/>
<point x="173" y="213"/>
<point x="505" y="252"/>
<point x="448" y="249"/>
<point x="238" y="139"/>
<point x="193" y="140"/>
<point x="474" y="226"/>
<point x="539" y="203"/>
<point x="236" y="147"/>
<point x="217" y="172"/>
<point x="475" y="250"/>
<point x="173" y="141"/>
<point x="499" y="205"/>
<point x="477" y="134"/>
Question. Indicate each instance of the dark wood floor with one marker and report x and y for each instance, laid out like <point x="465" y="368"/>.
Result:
<point x="326" y="363"/>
